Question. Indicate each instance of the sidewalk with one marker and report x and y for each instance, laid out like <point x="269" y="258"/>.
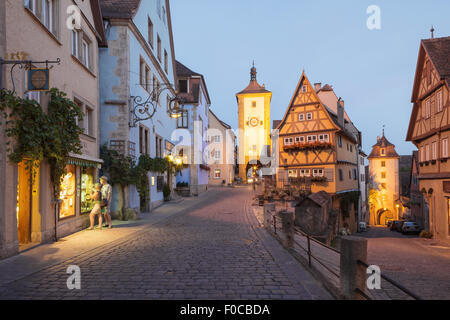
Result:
<point x="48" y="255"/>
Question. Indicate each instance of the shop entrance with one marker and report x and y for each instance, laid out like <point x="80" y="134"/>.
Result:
<point x="28" y="217"/>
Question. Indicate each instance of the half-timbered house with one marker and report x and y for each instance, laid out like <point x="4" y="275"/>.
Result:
<point x="318" y="149"/>
<point x="429" y="130"/>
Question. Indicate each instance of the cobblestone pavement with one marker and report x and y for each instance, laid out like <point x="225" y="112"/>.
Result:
<point x="418" y="264"/>
<point x="214" y="250"/>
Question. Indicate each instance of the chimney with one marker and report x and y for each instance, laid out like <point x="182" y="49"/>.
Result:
<point x="317" y="86"/>
<point x="340" y="112"/>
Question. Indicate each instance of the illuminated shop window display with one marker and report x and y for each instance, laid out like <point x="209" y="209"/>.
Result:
<point x="67" y="193"/>
<point x="87" y="186"/>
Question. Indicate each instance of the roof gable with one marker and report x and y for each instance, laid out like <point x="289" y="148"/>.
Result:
<point x="303" y="98"/>
<point x="437" y="53"/>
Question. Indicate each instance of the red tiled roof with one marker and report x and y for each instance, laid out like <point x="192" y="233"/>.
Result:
<point x="254" y="87"/>
<point x="383" y="143"/>
<point x="125" y="9"/>
<point x="438" y="50"/>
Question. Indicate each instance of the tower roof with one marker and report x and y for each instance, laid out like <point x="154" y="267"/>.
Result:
<point x="383" y="144"/>
<point x="254" y="86"/>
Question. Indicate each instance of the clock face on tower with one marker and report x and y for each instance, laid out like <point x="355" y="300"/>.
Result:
<point x="254" y="122"/>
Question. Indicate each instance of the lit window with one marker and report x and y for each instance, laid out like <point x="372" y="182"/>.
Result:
<point x="317" y="172"/>
<point x="217" y="174"/>
<point x="305" y="173"/>
<point x="324" y="138"/>
<point x="293" y="173"/>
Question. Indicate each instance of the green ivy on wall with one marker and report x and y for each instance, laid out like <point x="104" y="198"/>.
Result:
<point x="125" y="171"/>
<point x="38" y="135"/>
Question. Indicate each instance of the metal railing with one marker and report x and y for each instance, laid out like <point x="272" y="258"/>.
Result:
<point x="393" y="282"/>
<point x="309" y="252"/>
<point x="276" y="223"/>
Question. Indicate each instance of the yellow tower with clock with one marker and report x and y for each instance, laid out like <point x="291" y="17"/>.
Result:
<point x="254" y="126"/>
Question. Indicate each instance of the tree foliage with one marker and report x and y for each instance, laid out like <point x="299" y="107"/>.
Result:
<point x="38" y="135"/>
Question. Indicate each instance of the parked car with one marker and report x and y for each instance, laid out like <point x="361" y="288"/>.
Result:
<point x="397" y="225"/>
<point x="411" y="228"/>
<point x="389" y="223"/>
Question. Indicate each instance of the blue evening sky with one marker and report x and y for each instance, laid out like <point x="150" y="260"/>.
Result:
<point x="373" y="71"/>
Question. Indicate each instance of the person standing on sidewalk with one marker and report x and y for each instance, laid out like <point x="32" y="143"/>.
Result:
<point x="107" y="196"/>
<point x="97" y="210"/>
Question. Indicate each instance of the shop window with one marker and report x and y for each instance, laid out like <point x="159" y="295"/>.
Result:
<point x="87" y="187"/>
<point x="217" y="174"/>
<point x="67" y="193"/>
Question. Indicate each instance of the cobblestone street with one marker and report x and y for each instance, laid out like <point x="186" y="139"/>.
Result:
<point x="422" y="266"/>
<point x="213" y="250"/>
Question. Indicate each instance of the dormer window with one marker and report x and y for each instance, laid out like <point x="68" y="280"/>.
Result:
<point x="183" y="84"/>
<point x="383" y="152"/>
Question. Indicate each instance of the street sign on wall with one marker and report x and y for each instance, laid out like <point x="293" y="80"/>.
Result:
<point x="38" y="80"/>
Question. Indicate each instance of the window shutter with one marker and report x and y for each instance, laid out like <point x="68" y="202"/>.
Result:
<point x="329" y="174"/>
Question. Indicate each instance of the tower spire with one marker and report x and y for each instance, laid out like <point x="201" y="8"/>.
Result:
<point x="432" y="32"/>
<point x="383" y="129"/>
<point x="253" y="72"/>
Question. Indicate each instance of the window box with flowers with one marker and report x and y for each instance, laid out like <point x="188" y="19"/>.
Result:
<point x="319" y="179"/>
<point x="308" y="146"/>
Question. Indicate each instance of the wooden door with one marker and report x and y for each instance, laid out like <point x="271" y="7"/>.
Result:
<point x="24" y="204"/>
